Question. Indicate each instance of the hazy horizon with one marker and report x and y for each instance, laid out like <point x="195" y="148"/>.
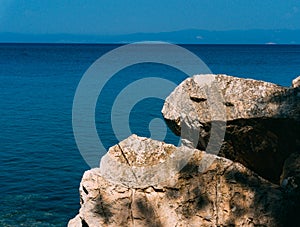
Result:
<point x="187" y="36"/>
<point x="132" y="20"/>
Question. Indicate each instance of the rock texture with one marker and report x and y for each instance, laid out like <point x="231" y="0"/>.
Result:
<point x="262" y="120"/>
<point x="224" y="194"/>
<point x="296" y="82"/>
<point x="253" y="181"/>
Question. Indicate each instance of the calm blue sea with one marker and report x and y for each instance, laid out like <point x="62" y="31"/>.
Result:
<point x="41" y="167"/>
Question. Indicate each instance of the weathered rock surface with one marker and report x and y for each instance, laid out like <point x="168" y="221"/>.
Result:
<point x="224" y="193"/>
<point x="254" y="180"/>
<point x="262" y="120"/>
<point x="296" y="82"/>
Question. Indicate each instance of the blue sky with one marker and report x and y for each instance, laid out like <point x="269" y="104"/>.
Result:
<point x="130" y="16"/>
<point x="119" y="17"/>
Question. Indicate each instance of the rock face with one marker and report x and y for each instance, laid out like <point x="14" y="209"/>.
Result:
<point x="253" y="181"/>
<point x="262" y="120"/>
<point x="224" y="194"/>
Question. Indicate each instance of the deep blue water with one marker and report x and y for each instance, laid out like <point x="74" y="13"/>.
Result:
<point x="41" y="167"/>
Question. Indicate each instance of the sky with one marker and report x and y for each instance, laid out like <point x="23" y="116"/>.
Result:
<point x="109" y="17"/>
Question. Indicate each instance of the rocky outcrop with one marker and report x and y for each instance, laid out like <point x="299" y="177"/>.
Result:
<point x="253" y="181"/>
<point x="224" y="193"/>
<point x="262" y="119"/>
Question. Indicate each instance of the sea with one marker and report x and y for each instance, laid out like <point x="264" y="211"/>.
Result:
<point x="41" y="164"/>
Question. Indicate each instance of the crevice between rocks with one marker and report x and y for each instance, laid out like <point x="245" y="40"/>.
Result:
<point x="85" y="190"/>
<point x="260" y="144"/>
<point x="83" y="223"/>
<point x="123" y="154"/>
<point x="131" y="205"/>
<point x="127" y="161"/>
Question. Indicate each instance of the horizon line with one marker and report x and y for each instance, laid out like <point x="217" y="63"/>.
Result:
<point x="163" y="42"/>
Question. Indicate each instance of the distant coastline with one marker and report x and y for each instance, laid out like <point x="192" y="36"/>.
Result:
<point x="121" y="44"/>
<point x="189" y="36"/>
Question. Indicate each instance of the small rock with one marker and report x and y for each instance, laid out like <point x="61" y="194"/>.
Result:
<point x="296" y="82"/>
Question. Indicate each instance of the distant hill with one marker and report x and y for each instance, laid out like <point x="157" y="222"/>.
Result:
<point x="191" y="36"/>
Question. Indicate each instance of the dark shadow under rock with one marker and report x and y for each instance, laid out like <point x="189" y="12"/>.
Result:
<point x="262" y="145"/>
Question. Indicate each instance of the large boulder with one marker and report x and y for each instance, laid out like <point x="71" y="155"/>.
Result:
<point x="262" y="119"/>
<point x="223" y="193"/>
